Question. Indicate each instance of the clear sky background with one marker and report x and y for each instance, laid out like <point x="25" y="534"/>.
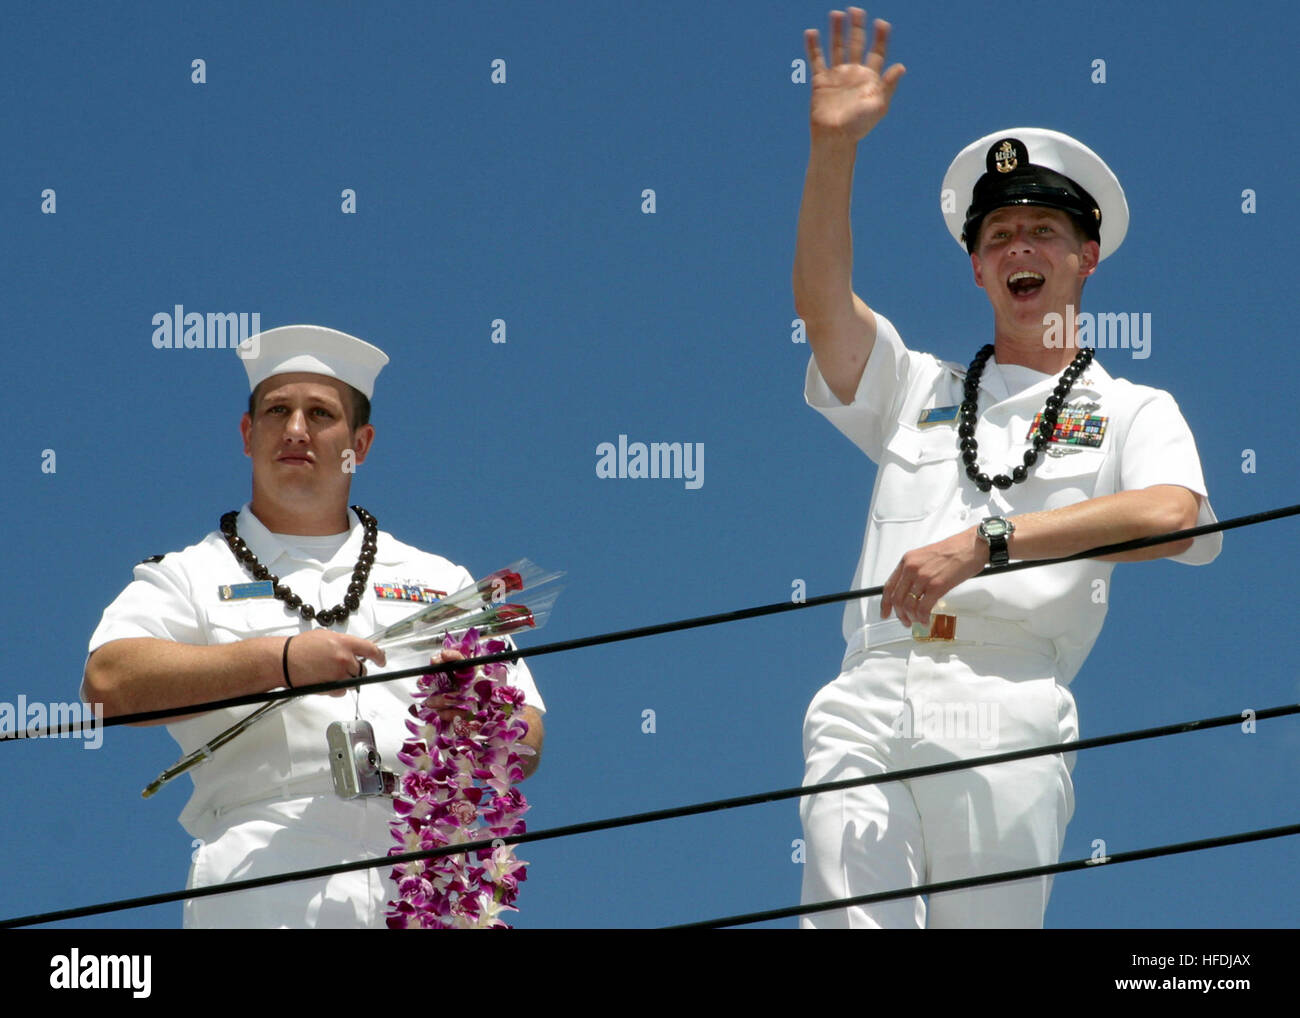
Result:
<point x="523" y="201"/>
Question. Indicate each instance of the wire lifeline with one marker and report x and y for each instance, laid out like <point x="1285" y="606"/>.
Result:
<point x="665" y="814"/>
<point x="996" y="878"/>
<point x="651" y="816"/>
<point x="657" y="629"/>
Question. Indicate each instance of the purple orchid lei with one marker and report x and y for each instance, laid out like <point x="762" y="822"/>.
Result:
<point x="459" y="786"/>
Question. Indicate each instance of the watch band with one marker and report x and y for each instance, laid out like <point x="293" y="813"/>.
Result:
<point x="995" y="530"/>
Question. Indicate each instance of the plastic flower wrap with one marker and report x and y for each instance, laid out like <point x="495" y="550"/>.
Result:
<point x="486" y="619"/>
<point x="459" y="611"/>
<point x="459" y="787"/>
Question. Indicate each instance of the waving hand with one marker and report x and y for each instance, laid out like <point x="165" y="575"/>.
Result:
<point x="850" y="96"/>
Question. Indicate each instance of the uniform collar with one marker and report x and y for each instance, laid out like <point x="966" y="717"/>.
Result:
<point x="1092" y="382"/>
<point x="269" y="548"/>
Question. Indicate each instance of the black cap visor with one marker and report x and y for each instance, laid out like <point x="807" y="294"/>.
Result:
<point x="1033" y="185"/>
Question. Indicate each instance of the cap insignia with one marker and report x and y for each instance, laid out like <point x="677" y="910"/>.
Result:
<point x="1006" y="155"/>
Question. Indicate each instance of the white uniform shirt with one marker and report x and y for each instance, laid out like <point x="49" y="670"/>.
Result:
<point x="922" y="494"/>
<point x="178" y="599"/>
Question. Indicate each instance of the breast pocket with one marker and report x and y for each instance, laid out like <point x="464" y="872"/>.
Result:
<point x="918" y="472"/>
<point x="1070" y="478"/>
<point x="231" y="621"/>
<point x="390" y="613"/>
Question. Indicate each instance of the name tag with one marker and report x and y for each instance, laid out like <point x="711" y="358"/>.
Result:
<point x="937" y="415"/>
<point x="1074" y="427"/>
<point x="241" y="591"/>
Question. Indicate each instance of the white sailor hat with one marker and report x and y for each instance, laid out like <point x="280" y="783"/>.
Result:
<point x="314" y="349"/>
<point x="1033" y="166"/>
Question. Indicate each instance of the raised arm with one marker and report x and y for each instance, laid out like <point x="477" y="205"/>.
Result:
<point x="849" y="97"/>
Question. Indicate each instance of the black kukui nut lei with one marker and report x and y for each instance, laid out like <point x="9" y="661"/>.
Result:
<point x="356" y="587"/>
<point x="968" y="415"/>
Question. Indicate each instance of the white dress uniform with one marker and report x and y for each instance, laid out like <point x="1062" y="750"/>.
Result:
<point x="264" y="803"/>
<point x="1002" y="683"/>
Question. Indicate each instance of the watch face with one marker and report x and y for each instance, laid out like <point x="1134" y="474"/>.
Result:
<point x="994" y="527"/>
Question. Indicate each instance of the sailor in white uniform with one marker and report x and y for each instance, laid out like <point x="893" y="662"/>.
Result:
<point x="1031" y="451"/>
<point x="283" y="594"/>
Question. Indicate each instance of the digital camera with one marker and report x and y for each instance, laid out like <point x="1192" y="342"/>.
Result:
<point x="354" y="761"/>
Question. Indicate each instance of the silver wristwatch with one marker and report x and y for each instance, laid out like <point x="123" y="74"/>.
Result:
<point x="995" y="530"/>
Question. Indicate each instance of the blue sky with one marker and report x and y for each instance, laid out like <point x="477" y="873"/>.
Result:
<point x="522" y="201"/>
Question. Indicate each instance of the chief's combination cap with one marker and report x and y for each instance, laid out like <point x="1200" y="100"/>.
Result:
<point x="1033" y="166"/>
<point x="314" y="349"/>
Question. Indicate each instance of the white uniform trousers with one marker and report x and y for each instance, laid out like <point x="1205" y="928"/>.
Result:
<point x="278" y="836"/>
<point x="910" y="704"/>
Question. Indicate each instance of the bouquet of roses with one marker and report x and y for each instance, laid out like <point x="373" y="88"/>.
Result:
<point x="474" y="606"/>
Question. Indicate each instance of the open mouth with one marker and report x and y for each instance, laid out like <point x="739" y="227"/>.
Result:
<point x="1024" y="282"/>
